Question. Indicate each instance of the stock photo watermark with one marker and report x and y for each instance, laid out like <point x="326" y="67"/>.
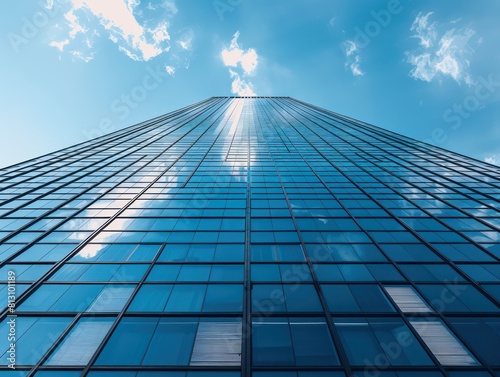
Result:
<point x="30" y="26"/>
<point x="122" y="106"/>
<point x="380" y="21"/>
<point x="223" y="6"/>
<point x="11" y="319"/>
<point x="455" y="115"/>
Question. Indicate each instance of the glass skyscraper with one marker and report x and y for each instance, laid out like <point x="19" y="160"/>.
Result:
<point x="257" y="236"/>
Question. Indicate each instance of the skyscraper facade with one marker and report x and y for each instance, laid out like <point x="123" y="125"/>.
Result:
<point x="250" y="237"/>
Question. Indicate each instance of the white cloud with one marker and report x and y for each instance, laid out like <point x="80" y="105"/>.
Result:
<point x="59" y="45"/>
<point x="424" y="31"/>
<point x="186" y="40"/>
<point x="244" y="60"/>
<point x="235" y="55"/>
<point x="80" y="55"/>
<point x="353" y="59"/>
<point x="240" y="86"/>
<point x="445" y="55"/>
<point x="494" y="160"/>
<point x="169" y="5"/>
<point x="170" y="70"/>
<point x="123" y="22"/>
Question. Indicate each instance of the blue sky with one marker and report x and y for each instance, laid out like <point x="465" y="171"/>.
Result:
<point x="71" y="70"/>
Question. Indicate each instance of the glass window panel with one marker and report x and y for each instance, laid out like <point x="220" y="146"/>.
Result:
<point x="174" y="253"/>
<point x="164" y="272"/>
<point x="33" y="334"/>
<point x="223" y="298"/>
<point x="295" y="272"/>
<point x="301" y="298"/>
<point x="328" y="272"/>
<point x="268" y="298"/>
<point x="385" y="272"/>
<point x="82" y="341"/>
<point x="407" y="299"/>
<point x="304" y="341"/>
<point x="99" y="272"/>
<point x="227" y="272"/>
<point x="151" y="298"/>
<point x="194" y="272"/>
<point x="265" y="272"/>
<point x="172" y="342"/>
<point x="312" y="343"/>
<point x="482" y="335"/>
<point x="410" y="253"/>
<point x="186" y="298"/>
<point x="272" y="342"/>
<point x="229" y="253"/>
<point x="370" y="298"/>
<point x="442" y="343"/>
<point x="355" y="272"/>
<point x="129" y="342"/>
<point x="130" y="273"/>
<point x="380" y="342"/>
<point x="482" y="273"/>
<point x="456" y="298"/>
<point x="112" y="298"/>
<point x="340" y="298"/>
<point x="217" y="343"/>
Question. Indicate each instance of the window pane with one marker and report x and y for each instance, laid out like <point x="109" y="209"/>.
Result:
<point x="356" y="298"/>
<point x="407" y="299"/>
<point x="217" y="343"/>
<point x="380" y="342"/>
<point x="482" y="335"/>
<point x="151" y="298"/>
<point x="301" y="298"/>
<point x="34" y="335"/>
<point x="129" y="342"/>
<point x="186" y="298"/>
<point x="312" y="343"/>
<point x="171" y="343"/>
<point x="112" y="298"/>
<point x="272" y="343"/>
<point x="442" y="343"/>
<point x="223" y="298"/>
<point x="80" y="344"/>
<point x="304" y="341"/>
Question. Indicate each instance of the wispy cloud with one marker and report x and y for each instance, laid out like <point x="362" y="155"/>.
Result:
<point x="123" y="22"/>
<point x="493" y="159"/>
<point x="186" y="40"/>
<point x="438" y="55"/>
<point x="353" y="59"/>
<point x="170" y="70"/>
<point x="244" y="60"/>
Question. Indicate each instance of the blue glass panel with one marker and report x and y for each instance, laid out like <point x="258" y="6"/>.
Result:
<point x="33" y="334"/>
<point x="301" y="298"/>
<point x="312" y="343"/>
<point x="268" y="298"/>
<point x="482" y="335"/>
<point x="265" y="272"/>
<point x="340" y="298"/>
<point x="272" y="343"/>
<point x="172" y="342"/>
<point x="129" y="342"/>
<point x="227" y="272"/>
<point x="164" y="272"/>
<point x="151" y="298"/>
<point x="223" y="298"/>
<point x="186" y="298"/>
<point x="193" y="272"/>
